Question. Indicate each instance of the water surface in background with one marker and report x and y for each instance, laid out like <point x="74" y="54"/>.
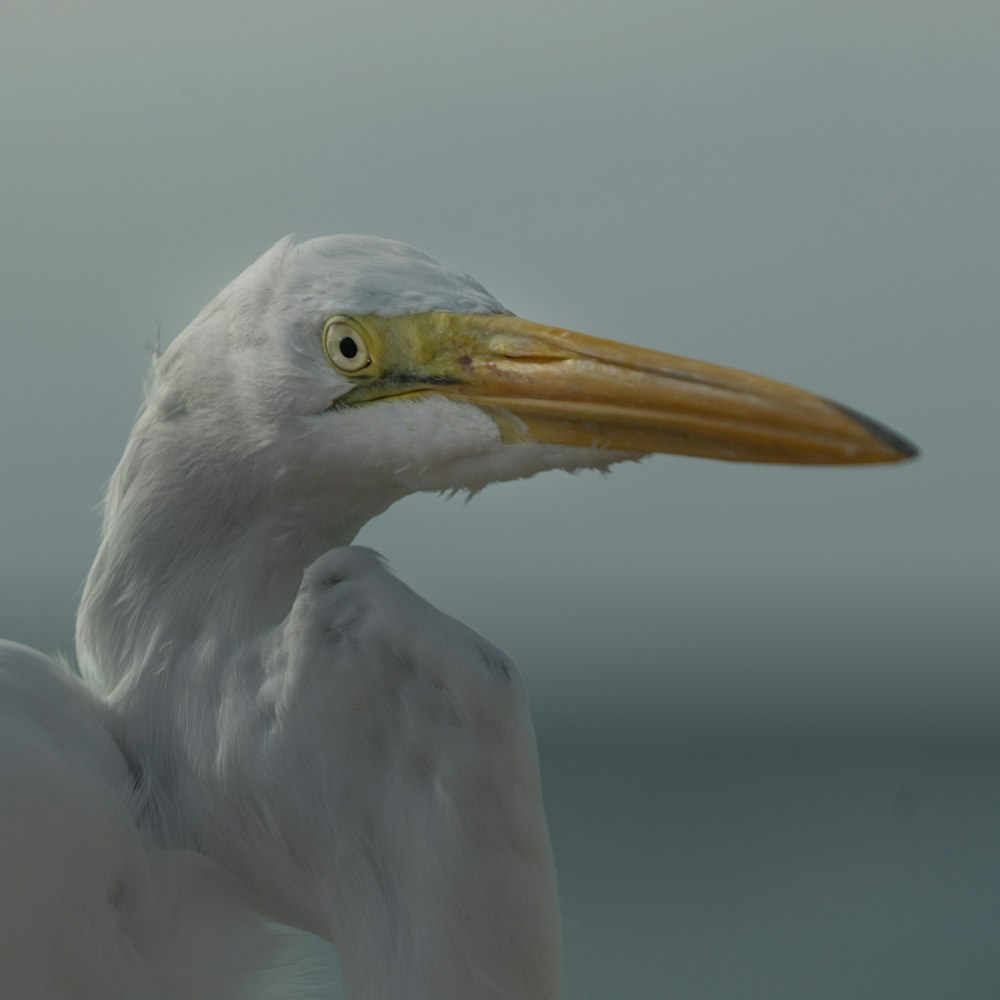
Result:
<point x="710" y="867"/>
<point x="825" y="867"/>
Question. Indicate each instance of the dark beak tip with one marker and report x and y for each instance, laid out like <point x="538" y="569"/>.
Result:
<point x="903" y="449"/>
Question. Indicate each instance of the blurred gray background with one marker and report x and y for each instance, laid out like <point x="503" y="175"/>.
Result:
<point x="767" y="699"/>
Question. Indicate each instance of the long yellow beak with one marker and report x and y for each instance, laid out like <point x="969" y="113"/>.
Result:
<point x="570" y="388"/>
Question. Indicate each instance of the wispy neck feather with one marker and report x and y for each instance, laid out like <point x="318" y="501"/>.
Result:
<point x="207" y="528"/>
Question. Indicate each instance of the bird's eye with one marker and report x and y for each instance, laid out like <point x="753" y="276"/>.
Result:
<point x="345" y="347"/>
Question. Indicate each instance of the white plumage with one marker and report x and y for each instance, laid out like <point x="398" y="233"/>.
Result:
<point x="274" y="728"/>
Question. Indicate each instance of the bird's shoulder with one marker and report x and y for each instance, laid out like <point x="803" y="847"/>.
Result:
<point x="358" y="620"/>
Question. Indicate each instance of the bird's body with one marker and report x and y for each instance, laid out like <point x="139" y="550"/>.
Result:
<point x="338" y="755"/>
<point x="442" y="722"/>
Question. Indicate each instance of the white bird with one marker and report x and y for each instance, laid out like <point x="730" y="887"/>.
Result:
<point x="268" y="726"/>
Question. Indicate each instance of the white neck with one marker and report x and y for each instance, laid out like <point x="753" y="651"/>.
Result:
<point x="183" y="626"/>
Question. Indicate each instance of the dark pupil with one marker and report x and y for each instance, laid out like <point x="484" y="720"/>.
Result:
<point x="348" y="347"/>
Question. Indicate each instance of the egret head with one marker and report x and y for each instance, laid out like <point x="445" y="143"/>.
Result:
<point x="368" y="362"/>
<point x="334" y="377"/>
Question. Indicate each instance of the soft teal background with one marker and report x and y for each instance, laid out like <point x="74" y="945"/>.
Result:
<point x="767" y="699"/>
